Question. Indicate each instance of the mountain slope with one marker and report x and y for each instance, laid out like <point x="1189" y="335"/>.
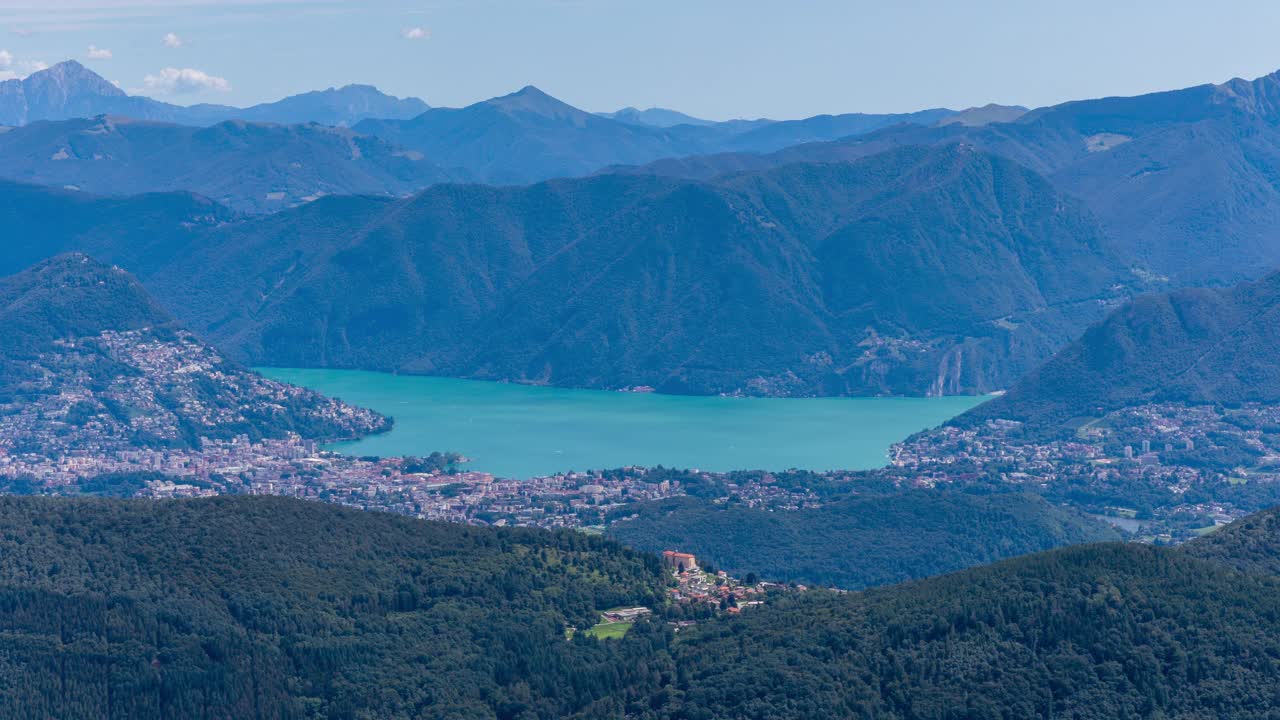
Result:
<point x="1195" y="346"/>
<point x="248" y="167"/>
<point x="1186" y="180"/>
<point x="258" y="605"/>
<point x="785" y="133"/>
<point x="141" y="232"/>
<point x="525" y="137"/>
<point x="268" y="607"/>
<point x="1098" y="631"/>
<point x="810" y="279"/>
<point x="530" y="136"/>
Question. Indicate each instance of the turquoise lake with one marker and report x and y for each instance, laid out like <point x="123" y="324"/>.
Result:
<point x="522" y="431"/>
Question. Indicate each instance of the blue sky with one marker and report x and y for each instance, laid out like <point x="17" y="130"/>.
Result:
<point x="714" y="58"/>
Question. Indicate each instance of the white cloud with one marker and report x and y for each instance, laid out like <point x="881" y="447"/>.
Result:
<point x="171" y="40"/>
<point x="174" y="81"/>
<point x="13" y="69"/>
<point x="97" y="53"/>
<point x="415" y="33"/>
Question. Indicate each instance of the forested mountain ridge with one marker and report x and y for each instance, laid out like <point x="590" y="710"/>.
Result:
<point x="138" y="231"/>
<point x="914" y="272"/>
<point x="1197" y="346"/>
<point x="1094" y="631"/>
<point x="268" y="607"/>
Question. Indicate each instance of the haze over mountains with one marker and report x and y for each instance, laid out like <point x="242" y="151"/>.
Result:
<point x="1185" y="180"/>
<point x="524" y="137"/>
<point x="249" y="167"/>
<point x="70" y="90"/>
<point x="932" y="253"/>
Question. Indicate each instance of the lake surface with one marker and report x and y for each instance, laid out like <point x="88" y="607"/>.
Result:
<point x="522" y="431"/>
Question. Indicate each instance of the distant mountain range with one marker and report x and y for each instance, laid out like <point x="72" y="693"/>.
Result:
<point x="530" y="136"/>
<point x="1188" y="181"/>
<point x="806" y="279"/>
<point x="659" y="117"/>
<point x="70" y="90"/>
<point x="1199" y="345"/>
<point x="250" y="167"/>
<point x="524" y="137"/>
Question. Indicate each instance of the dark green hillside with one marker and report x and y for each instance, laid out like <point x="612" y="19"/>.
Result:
<point x="860" y="542"/>
<point x="1251" y="544"/>
<point x="1100" y="631"/>
<point x="269" y="607"/>
<point x="1196" y="346"/>
<point x="272" y="608"/>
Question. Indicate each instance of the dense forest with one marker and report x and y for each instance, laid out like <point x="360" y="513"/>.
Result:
<point x="273" y="608"/>
<point x="264" y="607"/>
<point x="860" y="541"/>
<point x="1095" y="631"/>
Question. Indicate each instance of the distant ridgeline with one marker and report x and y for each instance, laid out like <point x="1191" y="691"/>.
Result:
<point x="1195" y="346"/>
<point x="76" y="128"/>
<point x="87" y="359"/>
<point x="267" y="607"/>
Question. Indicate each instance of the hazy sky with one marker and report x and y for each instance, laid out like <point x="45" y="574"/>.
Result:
<point x="714" y="58"/>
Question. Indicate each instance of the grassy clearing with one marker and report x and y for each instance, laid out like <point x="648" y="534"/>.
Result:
<point x="609" y="630"/>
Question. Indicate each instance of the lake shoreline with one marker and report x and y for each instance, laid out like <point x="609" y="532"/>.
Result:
<point x="518" y="430"/>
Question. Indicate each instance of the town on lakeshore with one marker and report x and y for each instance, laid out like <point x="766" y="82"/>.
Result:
<point x="1197" y="463"/>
